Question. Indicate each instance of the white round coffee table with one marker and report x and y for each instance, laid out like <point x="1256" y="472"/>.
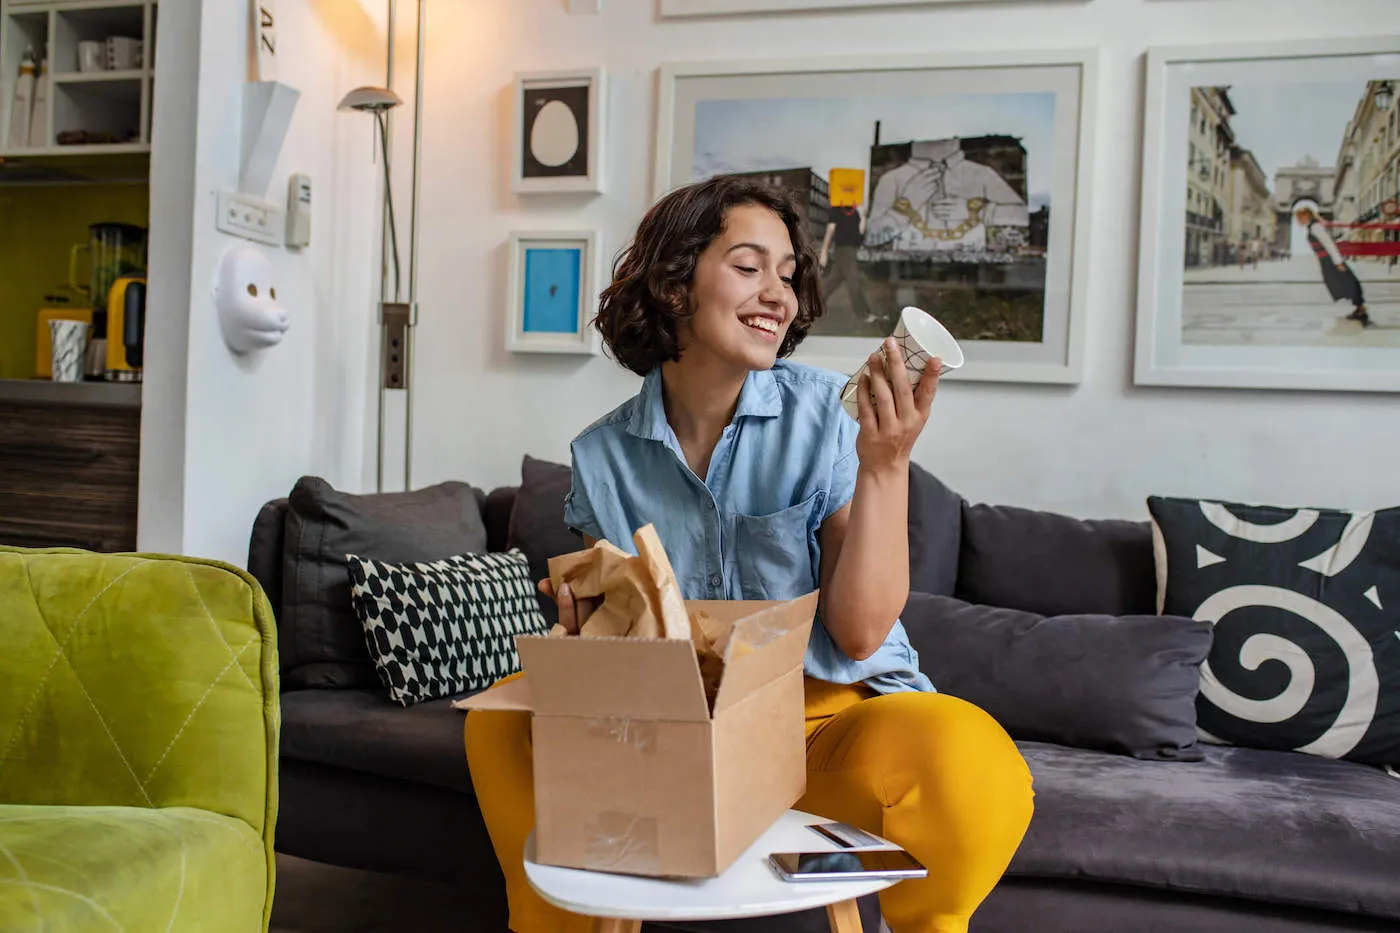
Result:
<point x="750" y="888"/>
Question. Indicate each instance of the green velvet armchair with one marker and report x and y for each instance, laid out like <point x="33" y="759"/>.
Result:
<point x="138" y="743"/>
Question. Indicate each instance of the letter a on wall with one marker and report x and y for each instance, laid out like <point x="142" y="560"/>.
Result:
<point x="265" y="35"/>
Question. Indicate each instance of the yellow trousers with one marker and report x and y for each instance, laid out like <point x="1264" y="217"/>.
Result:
<point x="931" y="772"/>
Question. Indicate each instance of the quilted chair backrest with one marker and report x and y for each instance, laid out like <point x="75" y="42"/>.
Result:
<point x="136" y="680"/>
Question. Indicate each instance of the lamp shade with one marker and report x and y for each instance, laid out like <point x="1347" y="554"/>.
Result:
<point x="370" y="100"/>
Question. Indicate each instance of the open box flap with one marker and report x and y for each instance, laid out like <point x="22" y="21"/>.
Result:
<point x="512" y="696"/>
<point x="656" y="679"/>
<point x="730" y="611"/>
<point x="765" y="646"/>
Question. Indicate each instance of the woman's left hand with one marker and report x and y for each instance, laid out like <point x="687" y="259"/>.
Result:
<point x="893" y="420"/>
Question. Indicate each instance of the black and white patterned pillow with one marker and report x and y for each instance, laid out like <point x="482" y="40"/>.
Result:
<point x="1306" y="609"/>
<point x="443" y="628"/>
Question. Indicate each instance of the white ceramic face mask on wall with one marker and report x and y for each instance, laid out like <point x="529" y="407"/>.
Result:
<point x="245" y="294"/>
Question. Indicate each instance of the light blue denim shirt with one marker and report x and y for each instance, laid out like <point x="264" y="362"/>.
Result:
<point x="750" y="529"/>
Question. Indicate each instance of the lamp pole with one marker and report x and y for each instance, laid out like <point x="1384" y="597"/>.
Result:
<point x="398" y="319"/>
<point x="413" y="238"/>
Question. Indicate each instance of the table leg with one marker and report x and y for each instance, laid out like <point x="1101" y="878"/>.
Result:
<point x="615" y="925"/>
<point x="843" y="917"/>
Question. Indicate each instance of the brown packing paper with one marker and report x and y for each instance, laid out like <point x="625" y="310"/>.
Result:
<point x="640" y="595"/>
<point x="710" y="637"/>
<point x="640" y="598"/>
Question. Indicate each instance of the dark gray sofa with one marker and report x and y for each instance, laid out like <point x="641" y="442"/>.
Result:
<point x="1242" y="840"/>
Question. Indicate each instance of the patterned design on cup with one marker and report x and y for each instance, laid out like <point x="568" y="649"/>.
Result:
<point x="69" y="348"/>
<point x="916" y="357"/>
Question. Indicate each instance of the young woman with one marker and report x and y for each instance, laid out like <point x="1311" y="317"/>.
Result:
<point x="761" y="487"/>
<point x="1342" y="283"/>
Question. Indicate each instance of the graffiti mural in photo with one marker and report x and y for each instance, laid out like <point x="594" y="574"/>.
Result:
<point x="939" y="201"/>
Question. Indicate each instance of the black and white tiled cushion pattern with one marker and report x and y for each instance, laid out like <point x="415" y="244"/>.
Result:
<point x="445" y="627"/>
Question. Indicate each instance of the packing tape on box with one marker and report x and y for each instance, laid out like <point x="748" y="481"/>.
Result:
<point x="755" y="633"/>
<point x="639" y="735"/>
<point x="622" y="840"/>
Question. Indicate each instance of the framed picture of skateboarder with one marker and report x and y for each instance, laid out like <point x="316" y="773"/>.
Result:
<point x="956" y="184"/>
<point x="1270" y="229"/>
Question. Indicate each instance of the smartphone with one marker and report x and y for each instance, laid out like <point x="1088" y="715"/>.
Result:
<point x="849" y="837"/>
<point x="882" y="865"/>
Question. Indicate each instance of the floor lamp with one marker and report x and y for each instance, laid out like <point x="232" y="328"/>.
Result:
<point x="397" y="317"/>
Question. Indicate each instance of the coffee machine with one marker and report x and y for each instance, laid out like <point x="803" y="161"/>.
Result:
<point x="126" y="329"/>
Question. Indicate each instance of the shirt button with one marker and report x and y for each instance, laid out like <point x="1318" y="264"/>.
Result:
<point x="716" y="580"/>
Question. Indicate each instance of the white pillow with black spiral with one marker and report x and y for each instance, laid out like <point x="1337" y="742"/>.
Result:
<point x="1305" y="604"/>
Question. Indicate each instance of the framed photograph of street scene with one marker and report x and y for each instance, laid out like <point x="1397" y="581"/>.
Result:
<point x="1271" y="217"/>
<point x="557" y="138"/>
<point x="956" y="184"/>
<point x="553" y="287"/>
<point x="689" y="8"/>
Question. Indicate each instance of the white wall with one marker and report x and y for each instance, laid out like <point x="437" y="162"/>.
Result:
<point x="1096" y="449"/>
<point x="225" y="434"/>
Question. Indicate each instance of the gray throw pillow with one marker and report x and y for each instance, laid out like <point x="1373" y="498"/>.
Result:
<point x="537" y="521"/>
<point x="320" y="640"/>
<point x="935" y="533"/>
<point x="1123" y="684"/>
<point x="1054" y="564"/>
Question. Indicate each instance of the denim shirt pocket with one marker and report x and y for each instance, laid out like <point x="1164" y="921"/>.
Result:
<point x="775" y="554"/>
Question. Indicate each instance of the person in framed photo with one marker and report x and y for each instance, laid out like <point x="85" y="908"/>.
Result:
<point x="1341" y="281"/>
<point x="840" y="257"/>
<point x="762" y="487"/>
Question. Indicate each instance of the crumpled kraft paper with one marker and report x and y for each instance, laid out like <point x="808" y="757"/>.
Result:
<point x="640" y="595"/>
<point x="641" y="598"/>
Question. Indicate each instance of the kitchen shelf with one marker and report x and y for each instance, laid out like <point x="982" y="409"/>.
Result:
<point x="112" y="102"/>
<point x="99" y="77"/>
<point x="50" y="152"/>
<point x="43" y="391"/>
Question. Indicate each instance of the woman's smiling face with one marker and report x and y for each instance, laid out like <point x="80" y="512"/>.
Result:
<point x="741" y="295"/>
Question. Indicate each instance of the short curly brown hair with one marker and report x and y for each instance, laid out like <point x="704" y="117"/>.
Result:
<point x="640" y="312"/>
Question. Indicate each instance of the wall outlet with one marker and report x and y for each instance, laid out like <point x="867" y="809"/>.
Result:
<point x="251" y="218"/>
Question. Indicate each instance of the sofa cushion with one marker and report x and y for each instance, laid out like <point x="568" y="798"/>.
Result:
<point x="130" y="868"/>
<point x="537" y="522"/>
<point x="1269" y="826"/>
<point x="441" y="628"/>
<point x="364" y="730"/>
<point x="1119" y="683"/>
<point x="935" y="533"/>
<point x="1304" y="607"/>
<point x="321" y="642"/>
<point x="1054" y="564"/>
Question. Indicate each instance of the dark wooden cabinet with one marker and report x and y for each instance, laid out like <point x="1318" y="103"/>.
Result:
<point x="69" y="474"/>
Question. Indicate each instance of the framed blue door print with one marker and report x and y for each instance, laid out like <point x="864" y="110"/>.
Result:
<point x="553" y="292"/>
<point x="552" y="284"/>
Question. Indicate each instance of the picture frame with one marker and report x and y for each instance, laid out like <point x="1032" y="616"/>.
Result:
<point x="558" y="125"/>
<point x="1044" y="315"/>
<point x="679" y="9"/>
<point x="1235" y="288"/>
<point x="553" y="281"/>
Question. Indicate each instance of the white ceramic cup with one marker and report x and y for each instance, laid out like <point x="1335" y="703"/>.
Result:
<point x="69" y="349"/>
<point x="92" y="56"/>
<point x="921" y="338"/>
<point x="123" y="53"/>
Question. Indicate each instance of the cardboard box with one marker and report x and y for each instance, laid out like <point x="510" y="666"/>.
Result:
<point x="633" y="774"/>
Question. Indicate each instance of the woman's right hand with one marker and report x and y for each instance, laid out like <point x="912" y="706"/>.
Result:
<point x="573" y="612"/>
